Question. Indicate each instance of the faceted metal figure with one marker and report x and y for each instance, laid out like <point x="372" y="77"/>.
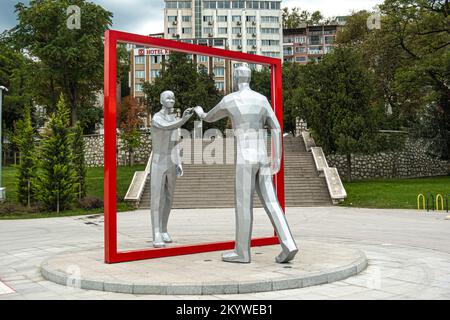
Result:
<point x="164" y="167"/>
<point x="250" y="112"/>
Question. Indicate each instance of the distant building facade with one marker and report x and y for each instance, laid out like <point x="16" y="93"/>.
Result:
<point x="310" y="43"/>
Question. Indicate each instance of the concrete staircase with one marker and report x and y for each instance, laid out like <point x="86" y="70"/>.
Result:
<point x="212" y="186"/>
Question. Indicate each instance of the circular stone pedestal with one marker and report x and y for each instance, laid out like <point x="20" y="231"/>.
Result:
<point x="205" y="273"/>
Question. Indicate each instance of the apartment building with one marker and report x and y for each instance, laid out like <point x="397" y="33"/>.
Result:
<point x="310" y="43"/>
<point x="249" y="26"/>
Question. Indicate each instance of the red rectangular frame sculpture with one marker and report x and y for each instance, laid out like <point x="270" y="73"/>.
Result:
<point x="112" y="37"/>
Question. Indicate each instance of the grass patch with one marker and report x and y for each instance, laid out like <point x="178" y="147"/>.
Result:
<point x="95" y="187"/>
<point x="393" y="193"/>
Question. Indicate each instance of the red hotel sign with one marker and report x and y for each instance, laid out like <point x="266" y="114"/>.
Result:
<point x="151" y="52"/>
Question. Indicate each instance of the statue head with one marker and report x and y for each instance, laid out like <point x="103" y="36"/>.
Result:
<point x="168" y="100"/>
<point x="242" y="74"/>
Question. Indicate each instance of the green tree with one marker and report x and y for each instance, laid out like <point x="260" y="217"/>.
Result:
<point x="192" y="87"/>
<point x="13" y="75"/>
<point x="78" y="161"/>
<point x="24" y="139"/>
<point x="295" y="18"/>
<point x="56" y="180"/>
<point x="292" y="72"/>
<point x="411" y="61"/>
<point x="129" y="117"/>
<point x="71" y="59"/>
<point x="340" y="106"/>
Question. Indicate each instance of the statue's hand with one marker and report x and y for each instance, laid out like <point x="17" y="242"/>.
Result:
<point x="179" y="170"/>
<point x="188" y="112"/>
<point x="200" y="112"/>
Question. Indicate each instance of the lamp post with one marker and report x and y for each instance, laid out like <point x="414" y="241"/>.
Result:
<point x="2" y="190"/>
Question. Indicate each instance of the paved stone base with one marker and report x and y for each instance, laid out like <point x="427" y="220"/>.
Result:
<point x="205" y="273"/>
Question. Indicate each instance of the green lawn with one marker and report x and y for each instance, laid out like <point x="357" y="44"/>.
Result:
<point x="393" y="193"/>
<point x="94" y="188"/>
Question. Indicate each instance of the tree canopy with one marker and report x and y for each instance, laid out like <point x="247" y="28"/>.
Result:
<point x="67" y="60"/>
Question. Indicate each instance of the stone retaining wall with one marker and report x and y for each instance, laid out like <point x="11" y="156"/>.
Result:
<point x="94" y="150"/>
<point x="411" y="162"/>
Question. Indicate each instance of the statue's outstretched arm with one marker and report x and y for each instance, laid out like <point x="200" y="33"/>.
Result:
<point x="160" y="123"/>
<point x="275" y="130"/>
<point x="217" y="113"/>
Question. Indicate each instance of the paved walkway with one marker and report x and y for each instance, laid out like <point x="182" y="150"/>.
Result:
<point x="408" y="251"/>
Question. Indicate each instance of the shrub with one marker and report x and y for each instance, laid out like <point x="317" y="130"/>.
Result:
<point x="90" y="202"/>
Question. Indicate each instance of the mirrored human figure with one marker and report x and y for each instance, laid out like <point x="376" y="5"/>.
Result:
<point x="250" y="114"/>
<point x="165" y="165"/>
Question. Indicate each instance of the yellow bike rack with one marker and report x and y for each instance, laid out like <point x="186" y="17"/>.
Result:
<point x="418" y="201"/>
<point x="439" y="196"/>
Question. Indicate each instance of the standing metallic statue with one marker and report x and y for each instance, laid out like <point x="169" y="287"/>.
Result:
<point x="165" y="168"/>
<point x="250" y="112"/>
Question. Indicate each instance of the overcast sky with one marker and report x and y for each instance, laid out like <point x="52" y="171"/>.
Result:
<point x="146" y="16"/>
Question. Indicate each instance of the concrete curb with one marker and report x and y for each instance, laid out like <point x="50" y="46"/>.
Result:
<point x="209" y="288"/>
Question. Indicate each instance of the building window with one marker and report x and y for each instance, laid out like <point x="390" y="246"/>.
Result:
<point x="222" y="30"/>
<point x="220" y="85"/>
<point x="184" y="5"/>
<point x="270" y="30"/>
<point x="171" y="30"/>
<point x="201" y="58"/>
<point x="236" y="30"/>
<point x="208" y="30"/>
<point x="300" y="49"/>
<point x="223" y="4"/>
<point x="251" y="42"/>
<point x="272" y="54"/>
<point x="315" y="40"/>
<point x="251" y="52"/>
<point x="264" y="5"/>
<point x="186" y="18"/>
<point x="171" y="18"/>
<point x="301" y="40"/>
<point x="219" y="42"/>
<point x="251" y="30"/>
<point x="207" y="18"/>
<point x="252" y="4"/>
<point x="238" y="4"/>
<point x="138" y="87"/>
<point x="222" y="18"/>
<point x="270" y="42"/>
<point x="237" y="42"/>
<point x="219" y="71"/>
<point x="287" y="51"/>
<point x="139" y="60"/>
<point x="154" y="73"/>
<point x="209" y="4"/>
<point x="219" y="60"/>
<point x="269" y="19"/>
<point x="156" y="59"/>
<point x="250" y="18"/>
<point x="140" y="75"/>
<point x="187" y="30"/>
<point x="300" y="59"/>
<point x="171" y="4"/>
<point x="236" y="18"/>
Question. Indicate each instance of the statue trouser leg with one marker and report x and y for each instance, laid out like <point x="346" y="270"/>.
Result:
<point x="157" y="195"/>
<point x="244" y="191"/>
<point x="169" y="191"/>
<point x="268" y="198"/>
